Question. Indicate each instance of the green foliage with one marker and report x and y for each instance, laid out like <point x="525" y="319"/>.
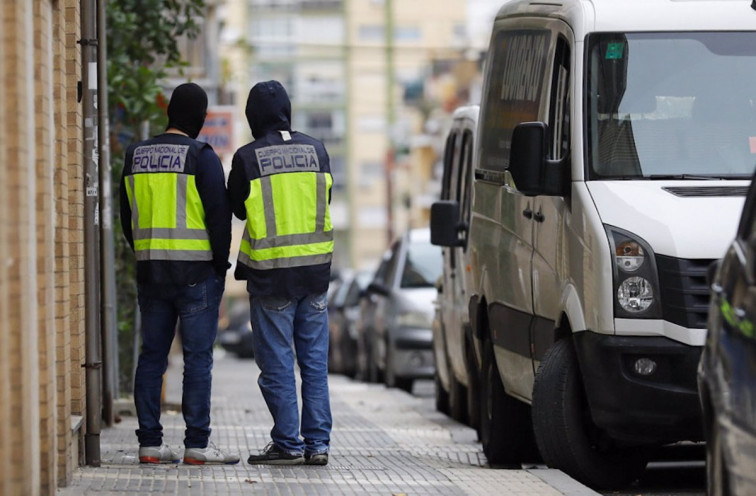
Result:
<point x="142" y="43"/>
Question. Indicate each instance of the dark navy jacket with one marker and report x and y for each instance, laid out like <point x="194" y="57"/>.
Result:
<point x="269" y="113"/>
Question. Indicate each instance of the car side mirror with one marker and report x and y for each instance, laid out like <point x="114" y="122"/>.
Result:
<point x="444" y="224"/>
<point x="533" y="173"/>
<point x="378" y="288"/>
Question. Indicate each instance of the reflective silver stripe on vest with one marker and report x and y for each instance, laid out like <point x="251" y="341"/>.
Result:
<point x="134" y="207"/>
<point x="270" y="213"/>
<point x="283" y="263"/>
<point x="289" y="240"/>
<point x="182" y="182"/>
<point x="174" y="255"/>
<point x="322" y="203"/>
<point x="169" y="233"/>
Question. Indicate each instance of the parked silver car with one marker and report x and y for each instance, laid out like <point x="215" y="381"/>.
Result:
<point x="343" y="313"/>
<point x="397" y="312"/>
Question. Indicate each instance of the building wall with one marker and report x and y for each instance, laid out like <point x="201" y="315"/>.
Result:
<point x="41" y="239"/>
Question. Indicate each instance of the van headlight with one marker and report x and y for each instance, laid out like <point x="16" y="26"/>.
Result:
<point x="636" y="283"/>
<point x="635" y="294"/>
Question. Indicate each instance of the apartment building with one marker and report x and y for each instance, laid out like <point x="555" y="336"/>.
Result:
<point x="42" y="391"/>
<point x="400" y="63"/>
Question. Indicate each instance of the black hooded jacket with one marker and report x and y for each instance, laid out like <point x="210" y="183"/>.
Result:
<point x="269" y="116"/>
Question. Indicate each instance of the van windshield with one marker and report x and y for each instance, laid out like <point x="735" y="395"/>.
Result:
<point x="671" y="105"/>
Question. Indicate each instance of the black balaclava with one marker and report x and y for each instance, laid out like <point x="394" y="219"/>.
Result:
<point x="187" y="109"/>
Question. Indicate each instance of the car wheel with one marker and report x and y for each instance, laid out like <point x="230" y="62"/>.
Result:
<point x="246" y="347"/>
<point x="717" y="479"/>
<point x="505" y="428"/>
<point x="566" y="436"/>
<point x="392" y="380"/>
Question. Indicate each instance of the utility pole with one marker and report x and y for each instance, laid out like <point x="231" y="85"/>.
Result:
<point x="107" y="248"/>
<point x="390" y="118"/>
<point x="93" y="360"/>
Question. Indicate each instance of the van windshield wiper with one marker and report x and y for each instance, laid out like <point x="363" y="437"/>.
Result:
<point x="694" y="176"/>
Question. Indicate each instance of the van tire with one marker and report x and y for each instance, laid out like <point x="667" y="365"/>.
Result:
<point x="564" y="431"/>
<point x="473" y="387"/>
<point x="505" y="425"/>
<point x="457" y="397"/>
<point x="442" y="397"/>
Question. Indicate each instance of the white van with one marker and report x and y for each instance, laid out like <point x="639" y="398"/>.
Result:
<point x="615" y="146"/>
<point x="456" y="369"/>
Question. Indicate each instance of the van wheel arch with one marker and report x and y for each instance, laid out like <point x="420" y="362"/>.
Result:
<point x="564" y="431"/>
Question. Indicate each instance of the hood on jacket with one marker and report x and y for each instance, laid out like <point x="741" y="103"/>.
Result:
<point x="268" y="109"/>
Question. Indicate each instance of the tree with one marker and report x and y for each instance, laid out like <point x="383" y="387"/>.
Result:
<point x="142" y="44"/>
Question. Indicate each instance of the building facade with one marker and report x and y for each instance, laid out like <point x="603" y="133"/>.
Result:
<point x="42" y="335"/>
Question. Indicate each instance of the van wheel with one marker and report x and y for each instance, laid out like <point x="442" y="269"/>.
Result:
<point x="505" y="427"/>
<point x="442" y="397"/>
<point x="457" y="397"/>
<point x="473" y="388"/>
<point x="566" y="436"/>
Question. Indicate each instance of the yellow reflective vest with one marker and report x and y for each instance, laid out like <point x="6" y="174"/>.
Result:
<point x="288" y="217"/>
<point x="167" y="215"/>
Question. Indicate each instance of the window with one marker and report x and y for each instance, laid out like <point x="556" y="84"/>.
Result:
<point x="559" y="114"/>
<point x="514" y="85"/>
<point x="465" y="178"/>
<point x="671" y="105"/>
<point x="422" y="267"/>
<point x="448" y="162"/>
<point x="371" y="32"/>
<point x="407" y="33"/>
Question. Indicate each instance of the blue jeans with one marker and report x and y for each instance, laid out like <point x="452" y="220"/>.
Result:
<point x="161" y="305"/>
<point x="281" y="328"/>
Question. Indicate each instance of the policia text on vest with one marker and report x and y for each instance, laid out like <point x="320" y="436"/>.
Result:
<point x="287" y="158"/>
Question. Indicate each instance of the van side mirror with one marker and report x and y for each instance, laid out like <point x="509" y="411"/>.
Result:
<point x="532" y="171"/>
<point x="444" y="224"/>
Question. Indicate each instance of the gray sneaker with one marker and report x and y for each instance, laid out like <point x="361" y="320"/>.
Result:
<point x="208" y="456"/>
<point x="158" y="454"/>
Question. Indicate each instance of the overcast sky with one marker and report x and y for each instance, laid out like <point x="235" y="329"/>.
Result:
<point x="480" y="15"/>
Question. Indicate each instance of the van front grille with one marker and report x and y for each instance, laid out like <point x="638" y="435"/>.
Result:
<point x="684" y="291"/>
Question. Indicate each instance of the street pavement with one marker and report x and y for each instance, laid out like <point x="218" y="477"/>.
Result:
<point x="384" y="442"/>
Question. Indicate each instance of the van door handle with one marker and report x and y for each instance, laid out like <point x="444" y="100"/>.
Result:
<point x="539" y="217"/>
<point x="528" y="213"/>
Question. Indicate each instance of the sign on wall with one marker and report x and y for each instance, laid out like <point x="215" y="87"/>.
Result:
<point x="218" y="130"/>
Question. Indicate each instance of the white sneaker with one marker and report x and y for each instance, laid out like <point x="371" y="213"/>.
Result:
<point x="209" y="455"/>
<point x="158" y="454"/>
